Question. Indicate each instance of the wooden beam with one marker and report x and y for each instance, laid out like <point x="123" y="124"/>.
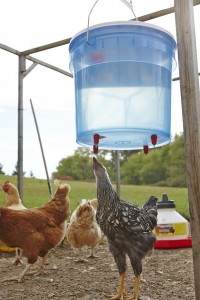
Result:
<point x="24" y="72"/>
<point x="46" y="47"/>
<point x="144" y="18"/>
<point x="161" y="13"/>
<point x="29" y="69"/>
<point x="44" y="64"/>
<point x="190" y="97"/>
<point x="9" y="49"/>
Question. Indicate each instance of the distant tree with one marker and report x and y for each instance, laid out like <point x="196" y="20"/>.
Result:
<point x="31" y="174"/>
<point x="154" y="169"/>
<point x="83" y="151"/>
<point x="14" y="173"/>
<point x="79" y="165"/>
<point x="124" y="154"/>
<point x="164" y="166"/>
<point x="177" y="163"/>
<point x="1" y="169"/>
<point x="131" y="167"/>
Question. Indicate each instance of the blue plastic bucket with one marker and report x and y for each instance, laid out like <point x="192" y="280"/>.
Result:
<point x="123" y="81"/>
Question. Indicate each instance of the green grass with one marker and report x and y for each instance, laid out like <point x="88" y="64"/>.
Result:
<point x="36" y="193"/>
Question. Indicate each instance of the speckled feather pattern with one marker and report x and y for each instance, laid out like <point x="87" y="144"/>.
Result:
<point x="127" y="226"/>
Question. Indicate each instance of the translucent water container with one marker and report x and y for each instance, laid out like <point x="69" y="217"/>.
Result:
<point x="170" y="225"/>
<point x="123" y="75"/>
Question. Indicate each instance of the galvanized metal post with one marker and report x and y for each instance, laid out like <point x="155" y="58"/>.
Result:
<point x="21" y="69"/>
<point x="118" y="172"/>
<point x="43" y="156"/>
<point x="190" y="96"/>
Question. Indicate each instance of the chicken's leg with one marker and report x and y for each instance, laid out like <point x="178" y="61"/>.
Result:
<point x="136" y="288"/>
<point x="40" y="269"/>
<point x="18" y="256"/>
<point x="121" y="293"/>
<point x="21" y="275"/>
<point x="92" y="254"/>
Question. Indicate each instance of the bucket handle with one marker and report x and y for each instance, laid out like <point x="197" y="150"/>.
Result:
<point x="128" y="4"/>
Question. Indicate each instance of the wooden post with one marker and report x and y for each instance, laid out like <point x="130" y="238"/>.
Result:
<point x="190" y="96"/>
<point x="21" y="69"/>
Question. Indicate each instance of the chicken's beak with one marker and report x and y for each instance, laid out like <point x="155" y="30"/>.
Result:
<point x="94" y="163"/>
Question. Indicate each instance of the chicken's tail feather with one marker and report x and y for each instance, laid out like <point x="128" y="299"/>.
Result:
<point x="151" y="201"/>
<point x="151" y="212"/>
<point x="83" y="201"/>
<point x="60" y="185"/>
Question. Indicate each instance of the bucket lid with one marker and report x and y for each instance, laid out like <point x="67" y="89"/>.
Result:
<point x="165" y="202"/>
<point x="114" y="23"/>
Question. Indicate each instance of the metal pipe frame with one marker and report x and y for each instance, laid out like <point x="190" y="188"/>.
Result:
<point x="22" y="72"/>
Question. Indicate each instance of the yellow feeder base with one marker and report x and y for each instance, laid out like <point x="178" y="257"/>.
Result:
<point x="4" y="248"/>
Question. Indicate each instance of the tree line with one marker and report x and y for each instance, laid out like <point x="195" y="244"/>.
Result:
<point x="164" y="166"/>
<point x="14" y="173"/>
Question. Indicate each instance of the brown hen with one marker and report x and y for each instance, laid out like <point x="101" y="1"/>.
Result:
<point x="13" y="201"/>
<point x="83" y="229"/>
<point x="37" y="230"/>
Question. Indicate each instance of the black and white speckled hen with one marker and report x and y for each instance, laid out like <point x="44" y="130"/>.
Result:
<point x="128" y="228"/>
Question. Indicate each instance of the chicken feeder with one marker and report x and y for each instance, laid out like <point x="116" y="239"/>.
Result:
<point x="123" y="74"/>
<point x="172" y="230"/>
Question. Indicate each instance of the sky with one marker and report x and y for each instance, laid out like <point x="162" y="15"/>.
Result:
<point x="27" y="24"/>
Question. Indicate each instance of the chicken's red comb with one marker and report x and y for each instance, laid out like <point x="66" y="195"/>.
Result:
<point x="5" y="185"/>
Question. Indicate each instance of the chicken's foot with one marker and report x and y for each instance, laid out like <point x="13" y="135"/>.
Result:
<point x="38" y="272"/>
<point x="81" y="260"/>
<point x="136" y="288"/>
<point x="17" y="262"/>
<point x="92" y="254"/>
<point x="121" y="293"/>
<point x="40" y="269"/>
<point x="21" y="275"/>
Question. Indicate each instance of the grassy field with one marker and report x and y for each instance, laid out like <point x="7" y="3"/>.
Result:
<point x="36" y="193"/>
